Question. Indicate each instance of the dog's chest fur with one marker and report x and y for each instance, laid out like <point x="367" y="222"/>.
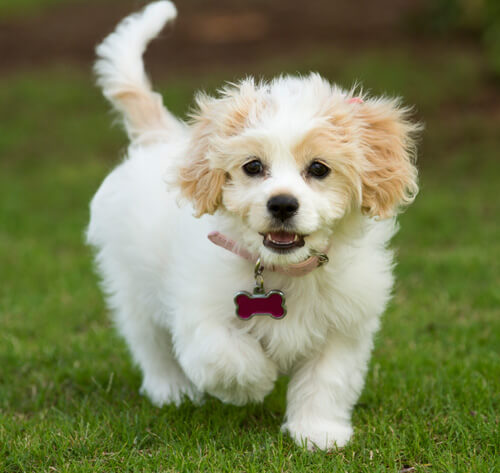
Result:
<point x="339" y="298"/>
<point x="302" y="331"/>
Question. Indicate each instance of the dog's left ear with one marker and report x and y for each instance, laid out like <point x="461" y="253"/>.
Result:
<point x="198" y="181"/>
<point x="389" y="177"/>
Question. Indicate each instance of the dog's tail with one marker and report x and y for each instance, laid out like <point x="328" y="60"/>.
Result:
<point x="120" y="74"/>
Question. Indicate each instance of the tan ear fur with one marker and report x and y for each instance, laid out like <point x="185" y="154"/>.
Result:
<point x="389" y="180"/>
<point x="198" y="182"/>
<point x="213" y="119"/>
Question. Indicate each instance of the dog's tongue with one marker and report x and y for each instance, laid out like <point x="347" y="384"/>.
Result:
<point x="282" y="237"/>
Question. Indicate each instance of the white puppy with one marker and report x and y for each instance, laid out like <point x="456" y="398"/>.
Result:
<point x="284" y="170"/>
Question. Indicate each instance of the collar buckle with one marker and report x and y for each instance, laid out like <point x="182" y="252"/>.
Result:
<point x="322" y="257"/>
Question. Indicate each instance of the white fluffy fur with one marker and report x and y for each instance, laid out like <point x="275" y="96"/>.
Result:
<point x="171" y="290"/>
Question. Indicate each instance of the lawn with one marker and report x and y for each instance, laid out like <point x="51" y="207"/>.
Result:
<point x="20" y="8"/>
<point x="68" y="391"/>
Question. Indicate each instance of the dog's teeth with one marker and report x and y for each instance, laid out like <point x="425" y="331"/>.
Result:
<point x="287" y="239"/>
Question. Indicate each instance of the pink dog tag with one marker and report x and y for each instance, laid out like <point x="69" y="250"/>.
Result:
<point x="271" y="303"/>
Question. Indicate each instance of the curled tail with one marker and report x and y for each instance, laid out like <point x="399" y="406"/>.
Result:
<point x="120" y="73"/>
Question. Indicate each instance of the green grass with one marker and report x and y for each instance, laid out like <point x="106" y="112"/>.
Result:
<point x="22" y="8"/>
<point x="68" y="391"/>
<point x="13" y="8"/>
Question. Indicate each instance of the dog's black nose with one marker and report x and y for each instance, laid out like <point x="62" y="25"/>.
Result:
<point x="283" y="206"/>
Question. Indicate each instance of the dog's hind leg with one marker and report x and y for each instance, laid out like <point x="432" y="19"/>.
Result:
<point x="164" y="382"/>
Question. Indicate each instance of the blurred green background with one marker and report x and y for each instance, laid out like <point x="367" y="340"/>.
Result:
<point x="68" y="391"/>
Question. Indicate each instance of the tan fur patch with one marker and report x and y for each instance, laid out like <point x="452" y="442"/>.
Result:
<point x="214" y="118"/>
<point x="390" y="178"/>
<point x="198" y="182"/>
<point x="336" y="147"/>
<point x="240" y="104"/>
<point x="144" y="113"/>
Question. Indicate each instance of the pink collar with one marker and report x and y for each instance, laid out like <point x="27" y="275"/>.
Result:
<point x="296" y="269"/>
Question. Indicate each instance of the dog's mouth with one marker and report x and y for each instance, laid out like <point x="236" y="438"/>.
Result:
<point x="283" y="242"/>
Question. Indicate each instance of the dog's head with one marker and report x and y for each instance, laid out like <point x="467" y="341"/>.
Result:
<point x="289" y="159"/>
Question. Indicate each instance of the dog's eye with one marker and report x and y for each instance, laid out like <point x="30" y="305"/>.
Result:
<point x="253" y="168"/>
<point x="318" y="170"/>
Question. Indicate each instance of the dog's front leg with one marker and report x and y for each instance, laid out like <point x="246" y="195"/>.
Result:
<point x="223" y="361"/>
<point x="323" y="390"/>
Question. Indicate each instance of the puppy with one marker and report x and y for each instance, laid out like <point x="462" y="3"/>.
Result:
<point x="297" y="183"/>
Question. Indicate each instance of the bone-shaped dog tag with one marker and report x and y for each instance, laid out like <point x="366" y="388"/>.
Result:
<point x="271" y="303"/>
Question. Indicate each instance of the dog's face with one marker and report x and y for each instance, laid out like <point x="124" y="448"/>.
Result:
<point x="288" y="160"/>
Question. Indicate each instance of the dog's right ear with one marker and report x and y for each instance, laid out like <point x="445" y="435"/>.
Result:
<point x="198" y="181"/>
<point x="213" y="120"/>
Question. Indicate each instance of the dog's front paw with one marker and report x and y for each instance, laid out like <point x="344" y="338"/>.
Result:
<point x="320" y="434"/>
<point x="246" y="383"/>
<point x="172" y="390"/>
<point x="234" y="370"/>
